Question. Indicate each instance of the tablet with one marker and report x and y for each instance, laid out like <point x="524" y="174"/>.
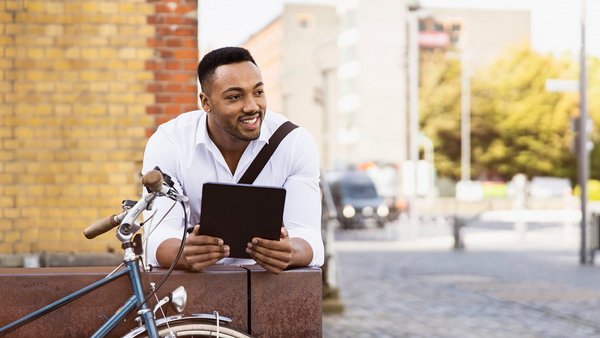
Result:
<point x="237" y="213"/>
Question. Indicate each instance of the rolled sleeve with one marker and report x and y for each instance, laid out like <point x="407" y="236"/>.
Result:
<point x="302" y="215"/>
<point x="170" y="227"/>
<point x="167" y="219"/>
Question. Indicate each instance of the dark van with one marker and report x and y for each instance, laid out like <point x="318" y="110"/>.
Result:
<point x="356" y="199"/>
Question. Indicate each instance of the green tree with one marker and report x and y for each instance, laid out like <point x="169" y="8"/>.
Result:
<point x="440" y="110"/>
<point x="516" y="125"/>
<point x="593" y="95"/>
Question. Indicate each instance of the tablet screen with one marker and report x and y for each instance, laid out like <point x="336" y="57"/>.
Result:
<point x="238" y="212"/>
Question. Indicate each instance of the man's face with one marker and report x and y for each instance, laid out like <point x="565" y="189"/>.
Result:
<point x="235" y="102"/>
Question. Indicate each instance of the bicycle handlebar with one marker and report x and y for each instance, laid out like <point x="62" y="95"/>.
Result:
<point x="101" y="226"/>
<point x="153" y="180"/>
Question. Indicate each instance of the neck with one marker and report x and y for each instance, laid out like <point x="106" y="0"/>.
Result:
<point x="230" y="147"/>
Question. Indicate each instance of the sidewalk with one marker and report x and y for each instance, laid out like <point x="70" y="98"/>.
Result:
<point x="501" y="285"/>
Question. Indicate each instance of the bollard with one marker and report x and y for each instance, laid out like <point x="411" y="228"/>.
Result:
<point x="594" y="236"/>
<point x="457" y="232"/>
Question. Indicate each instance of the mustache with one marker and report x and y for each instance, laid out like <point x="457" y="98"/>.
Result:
<point x="259" y="112"/>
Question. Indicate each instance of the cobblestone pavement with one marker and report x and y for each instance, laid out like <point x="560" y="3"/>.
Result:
<point x="503" y="284"/>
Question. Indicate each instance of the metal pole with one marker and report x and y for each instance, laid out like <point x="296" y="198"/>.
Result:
<point x="414" y="109"/>
<point x="582" y="140"/>
<point x="325" y="121"/>
<point x="465" y="125"/>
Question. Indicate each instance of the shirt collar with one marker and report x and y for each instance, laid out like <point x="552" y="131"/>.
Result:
<point x="202" y="136"/>
<point x="202" y="130"/>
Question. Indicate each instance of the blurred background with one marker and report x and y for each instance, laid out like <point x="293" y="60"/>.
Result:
<point x="454" y="139"/>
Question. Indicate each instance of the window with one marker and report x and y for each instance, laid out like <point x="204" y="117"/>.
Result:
<point x="305" y="20"/>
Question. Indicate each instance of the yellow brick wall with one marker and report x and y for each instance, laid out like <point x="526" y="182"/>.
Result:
<point x="73" y="121"/>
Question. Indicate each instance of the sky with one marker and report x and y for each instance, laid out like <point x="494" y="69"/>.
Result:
<point x="555" y="24"/>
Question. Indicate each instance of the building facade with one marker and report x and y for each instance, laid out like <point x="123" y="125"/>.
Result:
<point x="483" y="35"/>
<point x="297" y="56"/>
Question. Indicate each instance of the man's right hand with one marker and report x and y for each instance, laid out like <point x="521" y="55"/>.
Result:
<point x="203" y="251"/>
<point x="199" y="252"/>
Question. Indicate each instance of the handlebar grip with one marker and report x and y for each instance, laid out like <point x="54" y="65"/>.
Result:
<point x="99" y="227"/>
<point x="153" y="180"/>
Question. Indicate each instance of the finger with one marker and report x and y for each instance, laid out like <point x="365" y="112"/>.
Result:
<point x="284" y="254"/>
<point x="271" y="244"/>
<point x="199" y="261"/>
<point x="203" y="240"/>
<point x="191" y="250"/>
<point x="269" y="264"/>
<point x="206" y="257"/>
<point x="284" y="233"/>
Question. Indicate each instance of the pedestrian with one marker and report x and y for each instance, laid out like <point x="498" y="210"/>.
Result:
<point x="217" y="144"/>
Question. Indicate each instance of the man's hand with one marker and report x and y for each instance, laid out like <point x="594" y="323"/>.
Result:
<point x="276" y="256"/>
<point x="203" y="251"/>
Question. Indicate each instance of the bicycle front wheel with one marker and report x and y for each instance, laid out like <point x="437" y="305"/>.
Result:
<point x="193" y="327"/>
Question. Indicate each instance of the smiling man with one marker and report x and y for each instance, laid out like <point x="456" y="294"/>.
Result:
<point x="217" y="144"/>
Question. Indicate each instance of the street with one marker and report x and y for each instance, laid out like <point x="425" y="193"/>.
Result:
<point x="503" y="284"/>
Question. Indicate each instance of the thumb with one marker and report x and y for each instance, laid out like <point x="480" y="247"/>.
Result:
<point x="284" y="233"/>
<point x="197" y="229"/>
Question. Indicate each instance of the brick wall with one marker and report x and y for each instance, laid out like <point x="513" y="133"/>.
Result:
<point x="82" y="84"/>
<point x="174" y="67"/>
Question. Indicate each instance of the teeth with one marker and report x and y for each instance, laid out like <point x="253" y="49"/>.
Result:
<point x="251" y="121"/>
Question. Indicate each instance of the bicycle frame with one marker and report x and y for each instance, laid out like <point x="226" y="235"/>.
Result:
<point x="137" y="299"/>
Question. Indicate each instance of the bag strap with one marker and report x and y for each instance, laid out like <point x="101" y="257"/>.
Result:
<point x="265" y="153"/>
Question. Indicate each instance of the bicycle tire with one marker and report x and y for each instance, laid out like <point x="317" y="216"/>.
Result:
<point x="194" y="327"/>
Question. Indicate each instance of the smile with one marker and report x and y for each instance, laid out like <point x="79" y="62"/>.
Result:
<point x="250" y="121"/>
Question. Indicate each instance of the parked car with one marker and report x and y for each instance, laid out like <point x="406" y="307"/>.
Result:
<point x="385" y="178"/>
<point x="356" y="199"/>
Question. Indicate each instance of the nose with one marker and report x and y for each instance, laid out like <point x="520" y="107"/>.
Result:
<point x="250" y="105"/>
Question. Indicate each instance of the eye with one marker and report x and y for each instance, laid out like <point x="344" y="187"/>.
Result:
<point x="259" y="92"/>
<point x="233" y="97"/>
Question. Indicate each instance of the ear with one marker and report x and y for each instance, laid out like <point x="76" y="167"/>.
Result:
<point x="205" y="102"/>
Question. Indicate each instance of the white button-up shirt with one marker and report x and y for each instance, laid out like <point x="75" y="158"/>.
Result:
<point x="182" y="149"/>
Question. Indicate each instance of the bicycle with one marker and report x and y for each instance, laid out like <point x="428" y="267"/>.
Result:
<point x="194" y="325"/>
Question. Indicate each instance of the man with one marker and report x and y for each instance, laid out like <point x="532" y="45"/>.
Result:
<point x="218" y="144"/>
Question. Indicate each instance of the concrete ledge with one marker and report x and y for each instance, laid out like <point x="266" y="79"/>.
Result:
<point x="284" y="305"/>
<point x="221" y="288"/>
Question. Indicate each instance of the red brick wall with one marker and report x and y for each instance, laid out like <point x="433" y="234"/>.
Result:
<point x="175" y="59"/>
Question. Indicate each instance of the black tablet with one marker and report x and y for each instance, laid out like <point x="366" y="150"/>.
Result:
<point x="239" y="212"/>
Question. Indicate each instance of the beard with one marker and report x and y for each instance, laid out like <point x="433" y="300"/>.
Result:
<point x="235" y="128"/>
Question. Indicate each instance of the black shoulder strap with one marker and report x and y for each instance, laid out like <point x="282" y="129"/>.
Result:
<point x="265" y="153"/>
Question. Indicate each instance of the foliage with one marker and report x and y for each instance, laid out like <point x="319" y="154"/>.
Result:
<point x="593" y="190"/>
<point x="440" y="110"/>
<point x="516" y="125"/>
<point x="593" y="103"/>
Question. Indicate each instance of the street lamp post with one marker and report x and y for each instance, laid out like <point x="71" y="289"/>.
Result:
<point x="413" y="109"/>
<point x="582" y="141"/>
<point x="322" y="98"/>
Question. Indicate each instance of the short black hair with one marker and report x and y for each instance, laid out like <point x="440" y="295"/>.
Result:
<point x="219" y="57"/>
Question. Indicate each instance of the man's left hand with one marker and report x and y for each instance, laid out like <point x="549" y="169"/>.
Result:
<point x="274" y="256"/>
